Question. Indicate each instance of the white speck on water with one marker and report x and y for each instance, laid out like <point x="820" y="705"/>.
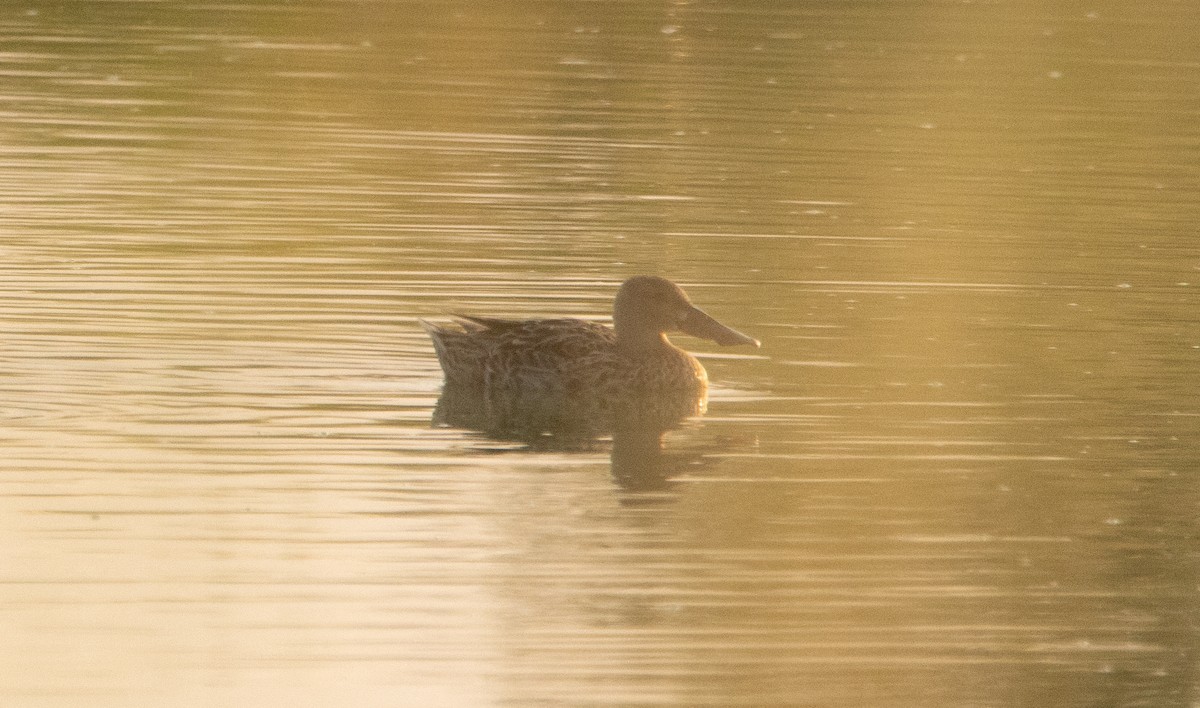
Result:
<point x="1055" y="74"/>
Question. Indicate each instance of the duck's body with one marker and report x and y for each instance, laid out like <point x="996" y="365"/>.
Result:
<point x="526" y="377"/>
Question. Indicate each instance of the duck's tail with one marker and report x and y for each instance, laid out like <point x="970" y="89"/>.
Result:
<point x="460" y="351"/>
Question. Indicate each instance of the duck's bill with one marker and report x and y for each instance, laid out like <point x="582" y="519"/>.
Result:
<point x="699" y="324"/>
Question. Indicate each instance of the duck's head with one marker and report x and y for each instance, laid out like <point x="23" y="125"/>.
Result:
<point x="648" y="306"/>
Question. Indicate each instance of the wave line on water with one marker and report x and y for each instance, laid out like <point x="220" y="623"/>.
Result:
<point x="781" y="480"/>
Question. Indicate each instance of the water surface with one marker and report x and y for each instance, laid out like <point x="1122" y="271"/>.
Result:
<point x="959" y="472"/>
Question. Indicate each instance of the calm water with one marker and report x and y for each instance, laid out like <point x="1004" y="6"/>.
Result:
<point x="960" y="472"/>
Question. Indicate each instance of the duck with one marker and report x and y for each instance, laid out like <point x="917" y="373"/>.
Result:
<point x="579" y="378"/>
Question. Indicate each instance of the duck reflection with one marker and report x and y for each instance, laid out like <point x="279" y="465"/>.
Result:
<point x="565" y="382"/>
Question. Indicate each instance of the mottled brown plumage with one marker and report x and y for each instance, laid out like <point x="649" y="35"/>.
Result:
<point x="579" y="378"/>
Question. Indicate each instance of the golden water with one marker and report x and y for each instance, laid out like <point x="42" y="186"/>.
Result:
<point x="961" y="471"/>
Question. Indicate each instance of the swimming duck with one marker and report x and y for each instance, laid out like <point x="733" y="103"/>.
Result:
<point x="575" y="377"/>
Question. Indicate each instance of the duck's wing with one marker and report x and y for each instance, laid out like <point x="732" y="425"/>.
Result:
<point x="557" y="342"/>
<point x="475" y="351"/>
<point x="534" y="373"/>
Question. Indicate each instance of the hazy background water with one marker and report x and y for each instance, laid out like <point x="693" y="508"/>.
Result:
<point x="960" y="472"/>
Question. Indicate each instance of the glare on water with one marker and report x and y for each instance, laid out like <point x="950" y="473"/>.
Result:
<point x="960" y="471"/>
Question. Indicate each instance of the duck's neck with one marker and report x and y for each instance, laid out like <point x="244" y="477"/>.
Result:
<point x="641" y="341"/>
